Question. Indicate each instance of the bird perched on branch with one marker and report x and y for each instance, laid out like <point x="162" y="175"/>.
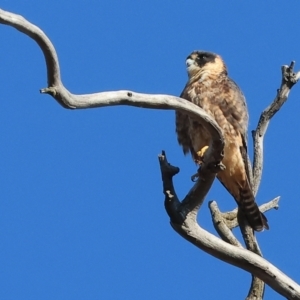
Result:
<point x="210" y="88"/>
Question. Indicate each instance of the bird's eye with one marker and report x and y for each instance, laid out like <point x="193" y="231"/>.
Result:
<point x="202" y="56"/>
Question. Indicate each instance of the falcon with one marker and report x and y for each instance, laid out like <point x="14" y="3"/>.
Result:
<point x="210" y="88"/>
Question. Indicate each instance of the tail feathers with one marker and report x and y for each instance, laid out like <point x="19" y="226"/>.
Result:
<point x="256" y="219"/>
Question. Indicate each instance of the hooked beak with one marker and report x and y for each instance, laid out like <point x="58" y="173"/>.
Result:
<point x="189" y="61"/>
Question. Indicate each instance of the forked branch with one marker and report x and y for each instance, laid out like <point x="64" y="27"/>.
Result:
<point x="183" y="220"/>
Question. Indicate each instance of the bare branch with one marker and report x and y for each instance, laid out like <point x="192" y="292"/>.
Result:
<point x="257" y="289"/>
<point x="289" y="79"/>
<point x="186" y="225"/>
<point x="21" y="24"/>
<point x="68" y="100"/>
<point x="222" y="225"/>
<point x="257" y="286"/>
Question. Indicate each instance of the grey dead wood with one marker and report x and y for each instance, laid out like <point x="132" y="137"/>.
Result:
<point x="183" y="214"/>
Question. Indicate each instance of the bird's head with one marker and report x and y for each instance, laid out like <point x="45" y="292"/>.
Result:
<point x="201" y="64"/>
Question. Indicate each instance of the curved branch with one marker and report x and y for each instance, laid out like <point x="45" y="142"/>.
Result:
<point x="21" y="24"/>
<point x="68" y="100"/>
<point x="186" y="225"/>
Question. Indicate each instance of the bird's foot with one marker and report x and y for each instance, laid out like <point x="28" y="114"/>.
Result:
<point x="200" y="156"/>
<point x="201" y="153"/>
<point x="213" y="167"/>
<point x="217" y="167"/>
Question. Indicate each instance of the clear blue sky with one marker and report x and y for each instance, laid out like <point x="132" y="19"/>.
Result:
<point x="81" y="209"/>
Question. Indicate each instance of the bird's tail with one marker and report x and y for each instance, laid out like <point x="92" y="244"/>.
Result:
<point x="246" y="201"/>
<point x="243" y="195"/>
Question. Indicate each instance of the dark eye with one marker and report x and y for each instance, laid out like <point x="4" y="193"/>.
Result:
<point x="203" y="57"/>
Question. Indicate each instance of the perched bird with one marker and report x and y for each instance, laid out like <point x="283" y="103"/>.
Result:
<point x="210" y="88"/>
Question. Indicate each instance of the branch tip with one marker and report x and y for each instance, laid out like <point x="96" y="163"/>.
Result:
<point x="166" y="168"/>
<point x="292" y="64"/>
<point x="49" y="90"/>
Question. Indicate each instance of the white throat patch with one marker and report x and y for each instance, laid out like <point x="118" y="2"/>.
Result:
<point x="190" y="65"/>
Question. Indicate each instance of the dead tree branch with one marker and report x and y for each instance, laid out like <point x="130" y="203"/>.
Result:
<point x="289" y="79"/>
<point x="68" y="100"/>
<point x="182" y="214"/>
<point x="184" y="221"/>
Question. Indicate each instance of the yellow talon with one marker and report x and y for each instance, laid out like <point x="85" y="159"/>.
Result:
<point x="200" y="155"/>
<point x="199" y="160"/>
<point x="202" y="152"/>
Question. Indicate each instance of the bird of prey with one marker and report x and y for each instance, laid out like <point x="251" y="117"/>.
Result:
<point x="210" y="88"/>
